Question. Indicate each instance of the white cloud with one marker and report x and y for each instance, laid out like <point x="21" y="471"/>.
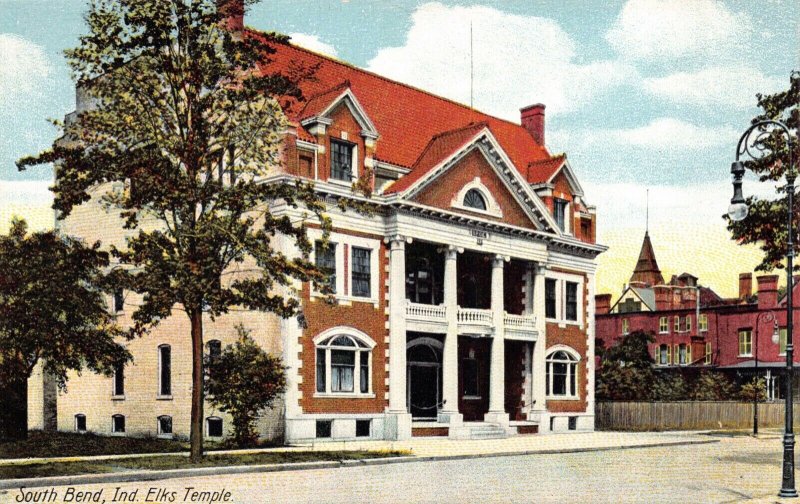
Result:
<point x="665" y="133"/>
<point x="714" y="86"/>
<point x="517" y="61"/>
<point x="313" y="43"/>
<point x="674" y="29"/>
<point x="23" y="70"/>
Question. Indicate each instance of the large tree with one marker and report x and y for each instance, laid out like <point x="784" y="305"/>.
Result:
<point x="766" y="220"/>
<point x="52" y="310"/>
<point x="187" y="115"/>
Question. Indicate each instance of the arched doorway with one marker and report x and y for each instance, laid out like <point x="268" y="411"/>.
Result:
<point x="424" y="377"/>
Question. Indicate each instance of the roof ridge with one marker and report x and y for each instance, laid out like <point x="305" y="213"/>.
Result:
<point x="383" y="77"/>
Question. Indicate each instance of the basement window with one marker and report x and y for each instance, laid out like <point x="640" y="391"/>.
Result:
<point x="324" y="428"/>
<point x="363" y="428"/>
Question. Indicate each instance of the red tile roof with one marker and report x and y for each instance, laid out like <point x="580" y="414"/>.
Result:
<point x="406" y="118"/>
<point x="437" y="150"/>
<point x="544" y="169"/>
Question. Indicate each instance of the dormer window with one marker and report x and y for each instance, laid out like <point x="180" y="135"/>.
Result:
<point x="560" y="213"/>
<point x="342" y="160"/>
<point x="474" y="199"/>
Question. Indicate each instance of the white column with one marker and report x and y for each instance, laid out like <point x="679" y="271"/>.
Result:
<point x="539" y="403"/>
<point x="398" y="420"/>
<point x="397" y="325"/>
<point x="497" y="373"/>
<point x="449" y="411"/>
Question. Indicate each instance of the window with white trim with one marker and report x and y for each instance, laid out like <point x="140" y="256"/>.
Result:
<point x="663" y="355"/>
<point x="474" y="199"/>
<point x="164" y="370"/>
<point x="362" y="272"/>
<point x="164" y="424"/>
<point x="663" y="325"/>
<point x="688" y="323"/>
<point x="118" y="423"/>
<point x="550" y="298"/>
<point x="325" y="260"/>
<point x="80" y="422"/>
<point x="342" y="160"/>
<point x="745" y="343"/>
<point x="707" y="356"/>
<point x="344" y="365"/>
<point x="571" y="301"/>
<point x="118" y="388"/>
<point x="562" y="374"/>
<point x="702" y="322"/>
<point x="560" y="211"/>
<point x="626" y="326"/>
<point x="681" y="354"/>
<point x="677" y="327"/>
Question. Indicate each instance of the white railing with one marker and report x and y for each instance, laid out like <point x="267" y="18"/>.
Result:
<point x="425" y="312"/>
<point x="520" y="322"/>
<point x="474" y="316"/>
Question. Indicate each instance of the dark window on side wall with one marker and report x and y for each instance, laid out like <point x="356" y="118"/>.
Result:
<point x="572" y="301"/>
<point x="165" y="370"/>
<point x="119" y="300"/>
<point x="165" y="424"/>
<point x="550" y="298"/>
<point x="118" y="423"/>
<point x="363" y="428"/>
<point x="325" y="257"/>
<point x="560" y="213"/>
<point x="324" y="428"/>
<point x="361" y="272"/>
<point x="119" y="380"/>
<point x="80" y="422"/>
<point x="214" y="426"/>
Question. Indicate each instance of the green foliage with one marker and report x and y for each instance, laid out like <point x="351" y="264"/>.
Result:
<point x="626" y="370"/>
<point x="712" y="386"/>
<point x="766" y="220"/>
<point x="669" y="386"/>
<point x="242" y="381"/>
<point x="184" y="131"/>
<point x="52" y="309"/>
<point x="755" y="389"/>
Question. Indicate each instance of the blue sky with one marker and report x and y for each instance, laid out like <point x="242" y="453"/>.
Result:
<point x="639" y="93"/>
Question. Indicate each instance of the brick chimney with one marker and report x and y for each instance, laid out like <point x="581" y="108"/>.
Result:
<point x="767" y="291"/>
<point x="233" y="12"/>
<point x="602" y="304"/>
<point x="532" y="118"/>
<point x="745" y="285"/>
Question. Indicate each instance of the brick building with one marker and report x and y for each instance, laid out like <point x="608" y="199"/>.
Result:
<point x="465" y="303"/>
<point x="711" y="332"/>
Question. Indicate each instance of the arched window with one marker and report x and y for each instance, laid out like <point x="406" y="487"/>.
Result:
<point x="562" y="373"/>
<point x="214" y="426"/>
<point x="164" y="425"/>
<point x="474" y="199"/>
<point x="214" y="348"/>
<point x="80" y="422"/>
<point x="344" y="364"/>
<point x="118" y="423"/>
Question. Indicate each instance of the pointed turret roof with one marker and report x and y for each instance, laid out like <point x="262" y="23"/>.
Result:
<point x="647" y="271"/>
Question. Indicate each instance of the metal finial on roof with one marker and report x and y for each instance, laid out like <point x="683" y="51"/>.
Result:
<point x="471" y="67"/>
<point x="647" y="212"/>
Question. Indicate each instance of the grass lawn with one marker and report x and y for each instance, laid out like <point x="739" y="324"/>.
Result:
<point x="69" y="444"/>
<point x="181" y="462"/>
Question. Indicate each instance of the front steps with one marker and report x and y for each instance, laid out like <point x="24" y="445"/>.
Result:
<point x="473" y="430"/>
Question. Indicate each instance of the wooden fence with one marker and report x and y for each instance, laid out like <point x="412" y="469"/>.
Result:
<point x="688" y="415"/>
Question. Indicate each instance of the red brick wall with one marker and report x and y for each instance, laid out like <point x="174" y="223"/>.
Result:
<point x="574" y="337"/>
<point x="440" y="193"/>
<point x="362" y="316"/>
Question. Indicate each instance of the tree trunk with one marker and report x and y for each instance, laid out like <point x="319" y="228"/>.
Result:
<point x="196" y="430"/>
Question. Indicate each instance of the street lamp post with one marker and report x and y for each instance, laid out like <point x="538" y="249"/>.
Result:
<point x="738" y="211"/>
<point x="769" y="316"/>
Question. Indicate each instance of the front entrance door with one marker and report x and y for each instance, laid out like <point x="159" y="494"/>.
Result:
<point x="424" y="376"/>
<point x="423" y="387"/>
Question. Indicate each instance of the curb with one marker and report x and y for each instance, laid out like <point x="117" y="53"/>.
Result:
<point x="136" y="476"/>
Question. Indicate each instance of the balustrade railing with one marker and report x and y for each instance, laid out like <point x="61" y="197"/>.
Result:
<point x="520" y="322"/>
<point x="474" y="316"/>
<point x="426" y="312"/>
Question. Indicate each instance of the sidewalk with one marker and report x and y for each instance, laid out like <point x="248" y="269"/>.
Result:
<point x="421" y="449"/>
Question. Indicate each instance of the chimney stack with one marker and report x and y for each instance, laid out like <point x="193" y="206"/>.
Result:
<point x="745" y="286"/>
<point x="602" y="304"/>
<point x="532" y="118"/>
<point x="767" y="291"/>
<point x="232" y="12"/>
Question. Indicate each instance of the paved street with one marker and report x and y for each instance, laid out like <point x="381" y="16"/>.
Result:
<point x="739" y="469"/>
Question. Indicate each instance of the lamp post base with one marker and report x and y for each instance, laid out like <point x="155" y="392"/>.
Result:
<point x="787" y="486"/>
